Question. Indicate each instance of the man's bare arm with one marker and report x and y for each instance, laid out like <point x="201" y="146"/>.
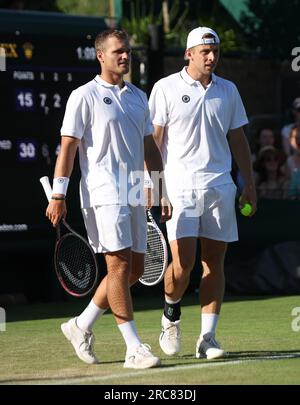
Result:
<point x="153" y="163"/>
<point x="63" y="168"/>
<point x="159" y="136"/>
<point x="241" y="153"/>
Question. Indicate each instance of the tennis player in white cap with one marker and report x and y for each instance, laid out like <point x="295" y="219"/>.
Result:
<point x="199" y="118"/>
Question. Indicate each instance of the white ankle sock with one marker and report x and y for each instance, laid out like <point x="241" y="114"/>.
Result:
<point x="208" y="324"/>
<point x="130" y="335"/>
<point x="89" y="316"/>
<point x="168" y="301"/>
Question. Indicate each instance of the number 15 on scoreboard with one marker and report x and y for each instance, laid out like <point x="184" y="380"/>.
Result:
<point x="24" y="100"/>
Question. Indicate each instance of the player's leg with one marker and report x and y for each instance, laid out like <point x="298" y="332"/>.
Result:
<point x="177" y="275"/>
<point x="212" y="284"/>
<point x="138" y="355"/>
<point x="211" y="294"/>
<point x="117" y="284"/>
<point x="124" y="268"/>
<point x="78" y="330"/>
<point x="87" y="319"/>
<point x="217" y="228"/>
<point x="176" y="281"/>
<point x="107" y="229"/>
<point x="182" y="231"/>
<point x="119" y="298"/>
<point x="99" y="222"/>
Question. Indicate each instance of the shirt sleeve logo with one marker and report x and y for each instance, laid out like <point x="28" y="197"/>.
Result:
<point x="186" y="98"/>
<point x="107" y="100"/>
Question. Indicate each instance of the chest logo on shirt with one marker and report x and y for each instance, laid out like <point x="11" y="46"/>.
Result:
<point x="186" y="98"/>
<point x="107" y="100"/>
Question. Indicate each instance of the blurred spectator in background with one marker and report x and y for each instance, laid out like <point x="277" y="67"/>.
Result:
<point x="293" y="164"/>
<point x="294" y="186"/>
<point x="264" y="137"/>
<point x="271" y="182"/>
<point x="293" y="161"/>
<point x="285" y="131"/>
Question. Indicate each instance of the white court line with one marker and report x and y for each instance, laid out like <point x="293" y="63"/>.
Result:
<point x="159" y="370"/>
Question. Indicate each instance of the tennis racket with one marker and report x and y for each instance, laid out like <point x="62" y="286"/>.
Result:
<point x="74" y="260"/>
<point x="156" y="257"/>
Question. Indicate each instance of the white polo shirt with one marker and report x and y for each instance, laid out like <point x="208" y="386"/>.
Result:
<point x="111" y="123"/>
<point x="195" y="150"/>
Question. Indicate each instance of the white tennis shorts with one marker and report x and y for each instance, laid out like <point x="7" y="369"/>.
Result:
<point x="115" y="227"/>
<point x="206" y="213"/>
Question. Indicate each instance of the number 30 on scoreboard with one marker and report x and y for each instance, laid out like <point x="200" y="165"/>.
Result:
<point x="27" y="150"/>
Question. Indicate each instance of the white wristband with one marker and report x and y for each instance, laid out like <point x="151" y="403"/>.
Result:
<point x="60" y="185"/>
<point x="147" y="180"/>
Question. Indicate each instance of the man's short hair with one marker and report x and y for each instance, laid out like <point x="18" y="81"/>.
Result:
<point x="104" y="35"/>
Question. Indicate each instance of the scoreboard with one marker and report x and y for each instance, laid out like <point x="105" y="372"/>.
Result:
<point x="47" y="55"/>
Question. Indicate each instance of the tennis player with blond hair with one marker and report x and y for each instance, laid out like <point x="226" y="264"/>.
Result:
<point x="198" y="117"/>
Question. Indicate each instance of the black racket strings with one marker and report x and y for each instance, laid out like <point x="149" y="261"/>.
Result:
<point x="154" y="257"/>
<point x="75" y="263"/>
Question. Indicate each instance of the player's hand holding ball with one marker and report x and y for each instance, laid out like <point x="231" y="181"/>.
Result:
<point x="246" y="208"/>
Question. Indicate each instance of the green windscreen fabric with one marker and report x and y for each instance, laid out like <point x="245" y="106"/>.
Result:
<point x="235" y="7"/>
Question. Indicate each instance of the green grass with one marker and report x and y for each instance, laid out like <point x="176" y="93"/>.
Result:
<point x="34" y="351"/>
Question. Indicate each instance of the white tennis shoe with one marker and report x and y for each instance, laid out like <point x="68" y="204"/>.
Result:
<point x="141" y="357"/>
<point x="207" y="347"/>
<point x="169" y="338"/>
<point x="82" y="341"/>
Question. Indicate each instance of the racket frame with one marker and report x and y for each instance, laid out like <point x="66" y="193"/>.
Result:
<point x="59" y="240"/>
<point x="48" y="191"/>
<point x="151" y="222"/>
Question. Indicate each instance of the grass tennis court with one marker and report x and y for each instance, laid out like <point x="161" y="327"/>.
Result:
<point x="256" y="331"/>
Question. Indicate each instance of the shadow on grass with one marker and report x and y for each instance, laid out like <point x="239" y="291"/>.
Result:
<point x="74" y="306"/>
<point x="251" y="355"/>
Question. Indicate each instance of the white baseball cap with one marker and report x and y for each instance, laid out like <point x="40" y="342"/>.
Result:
<point x="195" y="37"/>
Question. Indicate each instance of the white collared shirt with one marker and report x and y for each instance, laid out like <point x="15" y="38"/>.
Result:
<point x="111" y="123"/>
<point x="195" y="150"/>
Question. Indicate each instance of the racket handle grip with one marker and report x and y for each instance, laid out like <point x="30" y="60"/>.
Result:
<point x="46" y="186"/>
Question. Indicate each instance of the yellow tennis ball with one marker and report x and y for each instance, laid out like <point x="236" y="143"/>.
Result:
<point x="246" y="210"/>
